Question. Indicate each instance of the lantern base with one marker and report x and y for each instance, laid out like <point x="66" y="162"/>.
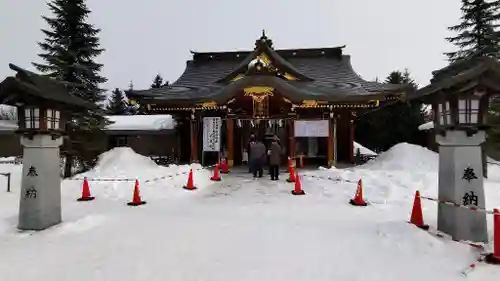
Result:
<point x="40" y="204"/>
<point x="461" y="177"/>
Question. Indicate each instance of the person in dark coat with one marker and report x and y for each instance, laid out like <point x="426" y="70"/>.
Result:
<point x="249" y="144"/>
<point x="257" y="157"/>
<point x="274" y="159"/>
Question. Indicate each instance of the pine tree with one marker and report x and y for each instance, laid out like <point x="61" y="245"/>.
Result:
<point x="157" y="82"/>
<point x="68" y="51"/>
<point x="116" y="104"/>
<point x="477" y="32"/>
<point x="396" y="123"/>
<point x="493" y="118"/>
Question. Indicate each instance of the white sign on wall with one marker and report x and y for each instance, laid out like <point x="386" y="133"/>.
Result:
<point x="311" y="128"/>
<point x="212" y="133"/>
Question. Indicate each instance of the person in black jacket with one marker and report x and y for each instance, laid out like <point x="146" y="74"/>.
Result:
<point x="249" y="144"/>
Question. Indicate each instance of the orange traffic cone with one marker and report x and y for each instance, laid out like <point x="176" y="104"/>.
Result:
<point x="190" y="184"/>
<point x="86" y="191"/>
<point x="224" y="168"/>
<point x="298" y="186"/>
<point x="216" y="176"/>
<point x="291" y="174"/>
<point x="289" y="164"/>
<point x="494" y="258"/>
<point x="136" y="199"/>
<point x="358" y="197"/>
<point x="417" y="217"/>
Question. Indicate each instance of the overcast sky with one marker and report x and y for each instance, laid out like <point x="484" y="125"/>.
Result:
<point x="145" y="37"/>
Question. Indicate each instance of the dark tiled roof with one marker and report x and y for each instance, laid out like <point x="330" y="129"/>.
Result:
<point x="466" y="71"/>
<point x="29" y="84"/>
<point x="332" y="74"/>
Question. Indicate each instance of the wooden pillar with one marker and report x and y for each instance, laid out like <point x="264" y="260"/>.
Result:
<point x="352" y="128"/>
<point x="230" y="142"/>
<point x="194" y="141"/>
<point x="335" y="144"/>
<point x="330" y="143"/>
<point x="291" y="138"/>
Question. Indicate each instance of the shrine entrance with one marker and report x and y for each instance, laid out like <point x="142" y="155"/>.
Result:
<point x="261" y="111"/>
<point x="262" y="129"/>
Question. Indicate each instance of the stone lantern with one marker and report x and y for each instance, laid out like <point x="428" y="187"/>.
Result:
<point x="460" y="95"/>
<point x="43" y="107"/>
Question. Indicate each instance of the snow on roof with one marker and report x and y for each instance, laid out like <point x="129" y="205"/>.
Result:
<point x="426" y="126"/>
<point x="363" y="150"/>
<point x="8" y="125"/>
<point x="121" y="123"/>
<point x="140" y="122"/>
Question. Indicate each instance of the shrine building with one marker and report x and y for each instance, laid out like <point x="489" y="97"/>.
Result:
<point x="309" y="98"/>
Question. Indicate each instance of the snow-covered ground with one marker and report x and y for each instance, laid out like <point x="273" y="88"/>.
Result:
<point x="241" y="229"/>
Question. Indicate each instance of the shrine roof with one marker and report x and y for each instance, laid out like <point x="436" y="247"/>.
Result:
<point x="321" y="74"/>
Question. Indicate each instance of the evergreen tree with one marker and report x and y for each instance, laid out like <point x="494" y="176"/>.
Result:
<point x="157" y="82"/>
<point x="493" y="118"/>
<point x="477" y="32"/>
<point x="396" y="123"/>
<point x="116" y="104"/>
<point x="68" y="51"/>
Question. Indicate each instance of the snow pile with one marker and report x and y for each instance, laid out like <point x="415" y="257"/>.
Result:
<point x="363" y="150"/>
<point x="8" y="160"/>
<point x="407" y="157"/>
<point x="394" y="175"/>
<point x="140" y="122"/>
<point x="123" y="163"/>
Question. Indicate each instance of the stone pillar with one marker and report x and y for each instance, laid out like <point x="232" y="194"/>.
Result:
<point x="194" y="141"/>
<point x="40" y="202"/>
<point x="230" y="142"/>
<point x="330" y="143"/>
<point x="461" y="181"/>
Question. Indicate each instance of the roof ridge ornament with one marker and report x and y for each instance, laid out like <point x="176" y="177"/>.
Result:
<point x="264" y="40"/>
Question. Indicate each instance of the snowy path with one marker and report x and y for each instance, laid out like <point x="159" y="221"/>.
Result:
<point x="238" y="229"/>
